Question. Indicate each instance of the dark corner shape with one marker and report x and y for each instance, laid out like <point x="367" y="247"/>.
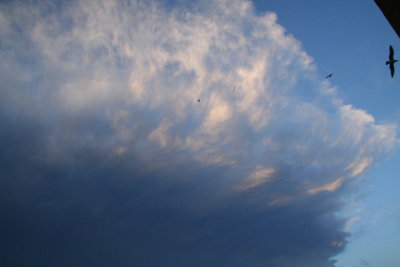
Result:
<point x="391" y="10"/>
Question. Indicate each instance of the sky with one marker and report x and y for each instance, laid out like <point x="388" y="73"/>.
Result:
<point x="198" y="133"/>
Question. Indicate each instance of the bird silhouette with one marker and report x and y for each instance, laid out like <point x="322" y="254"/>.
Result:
<point x="391" y="60"/>
<point x="330" y="75"/>
<point x="198" y="100"/>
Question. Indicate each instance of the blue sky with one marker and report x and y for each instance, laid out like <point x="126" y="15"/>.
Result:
<point x="109" y="159"/>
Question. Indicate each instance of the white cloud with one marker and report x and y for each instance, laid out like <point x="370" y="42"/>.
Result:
<point x="160" y="135"/>
<point x="155" y="63"/>
<point x="333" y="186"/>
<point x="259" y="176"/>
<point x="122" y="78"/>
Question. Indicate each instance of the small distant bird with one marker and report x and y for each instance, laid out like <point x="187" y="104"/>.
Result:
<point x="198" y="100"/>
<point x="391" y="61"/>
<point x="329" y="76"/>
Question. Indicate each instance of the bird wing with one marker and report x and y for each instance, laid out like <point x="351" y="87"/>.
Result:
<point x="391" y="53"/>
<point x="392" y="69"/>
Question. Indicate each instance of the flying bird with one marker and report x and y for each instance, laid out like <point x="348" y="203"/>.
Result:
<point x="391" y="61"/>
<point x="329" y="76"/>
<point x="198" y="100"/>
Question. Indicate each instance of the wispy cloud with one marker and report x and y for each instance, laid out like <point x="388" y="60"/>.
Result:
<point x="109" y="157"/>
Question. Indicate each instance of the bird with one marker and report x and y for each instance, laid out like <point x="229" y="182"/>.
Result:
<point x="391" y="61"/>
<point x="329" y="76"/>
<point x="198" y="100"/>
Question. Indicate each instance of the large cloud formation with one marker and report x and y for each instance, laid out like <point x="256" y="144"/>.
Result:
<point x="108" y="159"/>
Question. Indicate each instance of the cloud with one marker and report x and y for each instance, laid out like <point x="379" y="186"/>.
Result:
<point x="108" y="159"/>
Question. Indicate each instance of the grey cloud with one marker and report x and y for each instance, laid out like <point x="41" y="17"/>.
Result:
<point x="108" y="159"/>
